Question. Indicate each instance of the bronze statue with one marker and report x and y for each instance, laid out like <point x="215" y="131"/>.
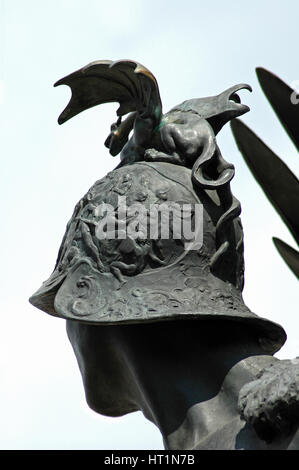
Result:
<point x="158" y="323"/>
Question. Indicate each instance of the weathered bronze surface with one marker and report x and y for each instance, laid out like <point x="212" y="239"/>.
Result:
<point x="159" y="324"/>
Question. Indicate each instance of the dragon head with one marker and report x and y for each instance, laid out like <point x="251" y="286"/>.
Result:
<point x="219" y="109"/>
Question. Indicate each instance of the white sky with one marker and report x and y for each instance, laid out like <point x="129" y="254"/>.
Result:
<point x="195" y="48"/>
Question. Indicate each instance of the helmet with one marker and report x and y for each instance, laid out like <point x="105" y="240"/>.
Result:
<point x="134" y="278"/>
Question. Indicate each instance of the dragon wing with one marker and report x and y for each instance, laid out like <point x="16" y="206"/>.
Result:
<point x="129" y="83"/>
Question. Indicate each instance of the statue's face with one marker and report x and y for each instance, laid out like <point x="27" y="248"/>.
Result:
<point x="106" y="377"/>
<point x="118" y="362"/>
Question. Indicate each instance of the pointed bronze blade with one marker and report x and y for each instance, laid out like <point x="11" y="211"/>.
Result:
<point x="283" y="100"/>
<point x="278" y="183"/>
<point x="290" y="256"/>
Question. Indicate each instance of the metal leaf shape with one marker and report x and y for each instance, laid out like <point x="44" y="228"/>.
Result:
<point x="280" y="96"/>
<point x="290" y="256"/>
<point x="279" y="184"/>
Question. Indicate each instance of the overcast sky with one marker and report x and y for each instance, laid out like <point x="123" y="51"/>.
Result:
<point x="194" y="48"/>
